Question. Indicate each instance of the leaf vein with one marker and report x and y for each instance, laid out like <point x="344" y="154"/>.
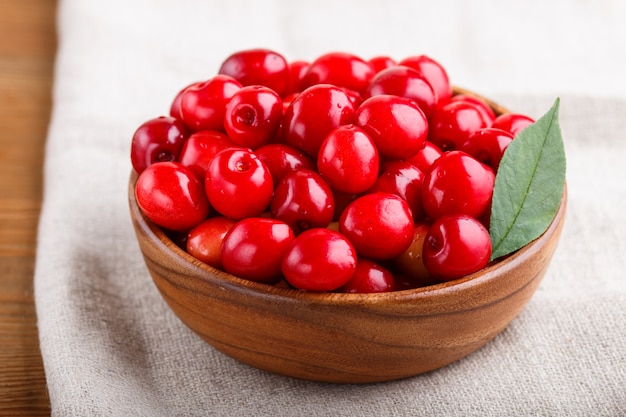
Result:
<point x="528" y="186"/>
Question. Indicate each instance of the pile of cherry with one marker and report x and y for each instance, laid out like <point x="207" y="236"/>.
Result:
<point x="339" y="174"/>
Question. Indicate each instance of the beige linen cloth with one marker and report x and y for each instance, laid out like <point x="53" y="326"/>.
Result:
<point x="110" y="345"/>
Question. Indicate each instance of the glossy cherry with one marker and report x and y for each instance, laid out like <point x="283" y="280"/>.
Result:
<point x="253" y="249"/>
<point x="397" y="125"/>
<point x="406" y="82"/>
<point x="293" y="169"/>
<point x="488" y="145"/>
<point x="434" y="72"/>
<point x="175" y="104"/>
<point x="403" y="179"/>
<point x="201" y="147"/>
<point x="297" y="69"/>
<point x="456" y="245"/>
<point x="425" y="157"/>
<point x="319" y="260"/>
<point x="379" y="225"/>
<point x="355" y="97"/>
<point x="303" y="200"/>
<point x="457" y="184"/>
<point x="204" y="241"/>
<point x="253" y="116"/>
<point x="171" y="196"/>
<point x="381" y="62"/>
<point x="238" y="184"/>
<point x="313" y="114"/>
<point x="157" y="140"/>
<point x="258" y="67"/>
<point x="282" y="159"/>
<point x="480" y="104"/>
<point x="348" y="159"/>
<point x="512" y="122"/>
<point x="340" y="69"/>
<point x="454" y="122"/>
<point x="369" y="277"/>
<point x="202" y="105"/>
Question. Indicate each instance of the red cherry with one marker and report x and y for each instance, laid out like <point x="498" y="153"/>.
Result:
<point x="204" y="241"/>
<point x="426" y="156"/>
<point x="456" y="246"/>
<point x="175" y="105"/>
<point x="157" y="140"/>
<point x="457" y="184"/>
<point x="512" y="122"/>
<point x="488" y="145"/>
<point x="434" y="73"/>
<point x="369" y="277"/>
<point x="282" y="159"/>
<point x="303" y="200"/>
<point x="340" y="69"/>
<point x="481" y="104"/>
<point x="203" y="105"/>
<point x="297" y="69"/>
<point x="404" y="82"/>
<point x="381" y="62"/>
<point x="454" y="122"/>
<point x="379" y="225"/>
<point x="171" y="196"/>
<point x="319" y="260"/>
<point x="403" y="179"/>
<point x="238" y="184"/>
<point x="258" y="67"/>
<point x="348" y="156"/>
<point x="397" y="125"/>
<point x="253" y="249"/>
<point x="201" y="147"/>
<point x="253" y="116"/>
<point x="355" y="97"/>
<point x="313" y="114"/>
<point x="348" y="159"/>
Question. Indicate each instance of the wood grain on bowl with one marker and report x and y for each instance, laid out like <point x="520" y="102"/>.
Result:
<point x="343" y="338"/>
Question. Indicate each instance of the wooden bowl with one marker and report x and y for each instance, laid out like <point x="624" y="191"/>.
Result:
<point x="336" y="337"/>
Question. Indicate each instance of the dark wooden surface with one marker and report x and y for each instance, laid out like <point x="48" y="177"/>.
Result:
<point x="27" y="50"/>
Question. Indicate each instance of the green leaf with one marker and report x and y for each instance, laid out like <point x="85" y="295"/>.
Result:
<point x="529" y="185"/>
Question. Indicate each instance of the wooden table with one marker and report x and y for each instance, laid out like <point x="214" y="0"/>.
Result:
<point x="27" y="48"/>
